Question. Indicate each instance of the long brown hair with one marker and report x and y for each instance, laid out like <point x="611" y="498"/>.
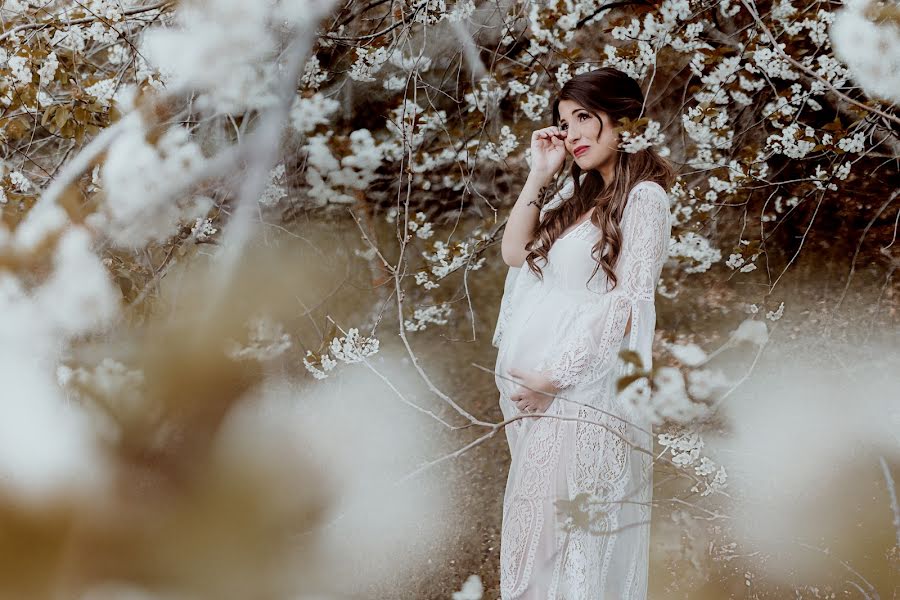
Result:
<point x="611" y="91"/>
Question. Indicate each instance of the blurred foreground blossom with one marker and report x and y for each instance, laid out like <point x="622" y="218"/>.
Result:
<point x="794" y="437"/>
<point x="866" y="35"/>
<point x="472" y="589"/>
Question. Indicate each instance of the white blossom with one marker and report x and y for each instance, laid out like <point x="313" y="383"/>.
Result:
<point x="535" y="105"/>
<point x="684" y="446"/>
<point x="48" y="69"/>
<point x="321" y="367"/>
<point x="703" y="384"/>
<point x="696" y="247"/>
<point x="792" y="142"/>
<point x="21" y="71"/>
<point x="72" y="38"/>
<point x="275" y="190"/>
<point x="331" y="178"/>
<point x="368" y="63"/>
<point x="651" y="136"/>
<point x="821" y="179"/>
<point x="309" y="113"/>
<point x="104" y="91"/>
<point x="774" y="315"/>
<point x="446" y="259"/>
<point x="395" y="83"/>
<point x="436" y="314"/>
<point x="508" y="143"/>
<point x="562" y="74"/>
<point x="462" y="10"/>
<point x="20" y="181"/>
<point x="118" y="54"/>
<point x="203" y="229"/>
<point x="226" y="49"/>
<point x="472" y="589"/>
<point x="313" y="75"/>
<point x="664" y="400"/>
<point x="773" y="64"/>
<point x="101" y="33"/>
<point x="734" y="261"/>
<point x="421" y="226"/>
<point x="486" y="97"/>
<point x="706" y="127"/>
<point x="842" y="170"/>
<point x="109" y="10"/>
<point x="852" y="144"/>
<point x="353" y="348"/>
<point x="871" y="49"/>
<point x="689" y="354"/>
<point x="431" y="12"/>
<point x="142" y="182"/>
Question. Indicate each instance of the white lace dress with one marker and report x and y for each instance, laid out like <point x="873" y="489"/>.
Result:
<point x="573" y="331"/>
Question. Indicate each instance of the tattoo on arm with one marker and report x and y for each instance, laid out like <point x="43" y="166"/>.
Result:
<point x="539" y="201"/>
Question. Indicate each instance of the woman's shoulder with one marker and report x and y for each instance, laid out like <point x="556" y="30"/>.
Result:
<point x="648" y="188"/>
<point x="648" y="195"/>
<point x="648" y="202"/>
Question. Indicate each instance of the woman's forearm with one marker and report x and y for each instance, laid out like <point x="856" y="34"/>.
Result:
<point x="523" y="221"/>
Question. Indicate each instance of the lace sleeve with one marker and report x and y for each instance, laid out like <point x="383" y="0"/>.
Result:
<point x="588" y="347"/>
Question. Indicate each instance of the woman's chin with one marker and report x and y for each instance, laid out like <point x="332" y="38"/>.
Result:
<point x="584" y="163"/>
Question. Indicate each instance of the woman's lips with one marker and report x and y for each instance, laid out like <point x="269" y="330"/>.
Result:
<point x="580" y="150"/>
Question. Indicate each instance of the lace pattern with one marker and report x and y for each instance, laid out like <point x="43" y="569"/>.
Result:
<point x="552" y="459"/>
<point x="523" y="515"/>
<point x="593" y="335"/>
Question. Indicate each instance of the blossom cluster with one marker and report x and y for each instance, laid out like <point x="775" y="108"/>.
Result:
<point x="651" y="136"/>
<point x="446" y="258"/>
<point x="333" y="179"/>
<point x="350" y="348"/>
<point x="437" y="314"/>
<point x="140" y="180"/>
<point x="694" y="246"/>
<point x="685" y="447"/>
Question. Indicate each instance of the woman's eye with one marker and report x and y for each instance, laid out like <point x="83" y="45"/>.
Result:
<point x="582" y="115"/>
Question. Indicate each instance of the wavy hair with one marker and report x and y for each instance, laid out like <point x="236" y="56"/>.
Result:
<point x="610" y="91"/>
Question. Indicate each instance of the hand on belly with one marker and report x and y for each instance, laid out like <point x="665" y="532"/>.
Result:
<point x="534" y="391"/>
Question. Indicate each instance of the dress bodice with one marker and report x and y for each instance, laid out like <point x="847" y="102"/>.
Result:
<point x="570" y="262"/>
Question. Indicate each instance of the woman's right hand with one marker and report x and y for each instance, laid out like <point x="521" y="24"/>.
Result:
<point x="548" y="151"/>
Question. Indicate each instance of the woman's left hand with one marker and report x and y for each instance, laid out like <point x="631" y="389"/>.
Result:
<point x="535" y="392"/>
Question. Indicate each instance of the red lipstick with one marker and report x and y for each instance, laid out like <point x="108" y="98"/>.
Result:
<point x="579" y="150"/>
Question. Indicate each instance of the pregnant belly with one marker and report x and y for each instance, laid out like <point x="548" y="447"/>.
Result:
<point x="526" y="341"/>
<point x="534" y="330"/>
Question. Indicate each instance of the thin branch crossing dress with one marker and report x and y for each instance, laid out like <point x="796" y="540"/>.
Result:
<point x="572" y="330"/>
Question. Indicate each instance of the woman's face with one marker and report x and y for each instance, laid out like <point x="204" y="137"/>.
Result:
<point x="591" y="141"/>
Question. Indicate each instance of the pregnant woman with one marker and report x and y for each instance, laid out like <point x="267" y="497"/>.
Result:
<point x="580" y="288"/>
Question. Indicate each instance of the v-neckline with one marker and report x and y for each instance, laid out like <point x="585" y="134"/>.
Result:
<point x="577" y="226"/>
